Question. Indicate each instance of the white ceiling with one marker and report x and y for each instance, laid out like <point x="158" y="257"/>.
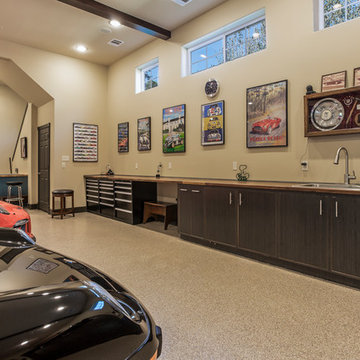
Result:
<point x="57" y="27"/>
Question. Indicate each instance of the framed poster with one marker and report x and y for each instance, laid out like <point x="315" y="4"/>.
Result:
<point x="123" y="137"/>
<point x="144" y="134"/>
<point x="85" y="142"/>
<point x="213" y="123"/>
<point x="356" y="81"/>
<point x="335" y="81"/>
<point x="266" y="115"/>
<point x="173" y="129"/>
<point x="23" y="147"/>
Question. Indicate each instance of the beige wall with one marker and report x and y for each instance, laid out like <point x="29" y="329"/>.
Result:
<point x="79" y="90"/>
<point x="12" y="108"/>
<point x="294" y="52"/>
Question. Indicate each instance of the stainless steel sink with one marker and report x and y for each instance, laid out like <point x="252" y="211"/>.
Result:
<point x="329" y="186"/>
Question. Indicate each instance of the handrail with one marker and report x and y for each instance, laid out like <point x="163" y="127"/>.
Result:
<point x="21" y="126"/>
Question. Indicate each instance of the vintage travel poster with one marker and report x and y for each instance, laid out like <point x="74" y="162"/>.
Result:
<point x="173" y="129"/>
<point x="212" y="123"/>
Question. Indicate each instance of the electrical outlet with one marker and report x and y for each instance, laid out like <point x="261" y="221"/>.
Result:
<point x="234" y="165"/>
<point x="136" y="166"/>
<point x="170" y="165"/>
<point x="304" y="165"/>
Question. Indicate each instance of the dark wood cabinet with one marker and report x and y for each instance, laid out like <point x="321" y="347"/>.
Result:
<point x="221" y="215"/>
<point x="345" y="234"/>
<point x="257" y="221"/>
<point x="302" y="228"/>
<point x="191" y="210"/>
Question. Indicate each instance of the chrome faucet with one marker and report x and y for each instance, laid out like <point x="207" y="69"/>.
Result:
<point x="347" y="176"/>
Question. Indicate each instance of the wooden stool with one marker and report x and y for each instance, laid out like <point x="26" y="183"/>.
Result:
<point x="62" y="194"/>
<point x="168" y="210"/>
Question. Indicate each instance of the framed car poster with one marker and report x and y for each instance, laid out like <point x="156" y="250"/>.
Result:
<point x="213" y="123"/>
<point x="173" y="129"/>
<point x="266" y="115"/>
<point x="123" y="137"/>
<point x="144" y="134"/>
<point x="85" y="142"/>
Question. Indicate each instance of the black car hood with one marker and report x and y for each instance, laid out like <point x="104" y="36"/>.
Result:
<point x="49" y="308"/>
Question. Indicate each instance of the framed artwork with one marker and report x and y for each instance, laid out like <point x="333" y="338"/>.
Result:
<point x="356" y="81"/>
<point x="335" y="81"/>
<point x="213" y="123"/>
<point x="144" y="134"/>
<point x="123" y="137"/>
<point x="173" y="129"/>
<point x="23" y="147"/>
<point x="85" y="142"/>
<point x="266" y="115"/>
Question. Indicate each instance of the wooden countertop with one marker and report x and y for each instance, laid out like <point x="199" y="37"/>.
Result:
<point x="13" y="175"/>
<point x="267" y="185"/>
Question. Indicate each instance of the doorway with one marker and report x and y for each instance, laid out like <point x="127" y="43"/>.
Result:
<point x="44" y="167"/>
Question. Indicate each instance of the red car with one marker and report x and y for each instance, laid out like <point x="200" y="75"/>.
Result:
<point x="266" y="126"/>
<point x="14" y="216"/>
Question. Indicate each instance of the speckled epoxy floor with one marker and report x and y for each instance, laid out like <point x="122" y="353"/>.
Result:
<point x="213" y="305"/>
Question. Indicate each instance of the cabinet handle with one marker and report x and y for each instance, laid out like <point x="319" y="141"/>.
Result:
<point x="230" y="198"/>
<point x="240" y="199"/>
<point x="321" y="208"/>
<point x="195" y="191"/>
<point x="184" y="190"/>
<point x="336" y="209"/>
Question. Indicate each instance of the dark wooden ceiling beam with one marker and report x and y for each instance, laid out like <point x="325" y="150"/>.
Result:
<point x="110" y="13"/>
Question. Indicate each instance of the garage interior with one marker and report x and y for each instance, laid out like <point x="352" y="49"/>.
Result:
<point x="213" y="301"/>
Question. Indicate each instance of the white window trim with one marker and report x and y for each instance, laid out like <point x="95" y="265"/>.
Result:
<point x="216" y="35"/>
<point x="140" y="74"/>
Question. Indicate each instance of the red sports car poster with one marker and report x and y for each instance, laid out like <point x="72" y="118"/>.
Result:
<point x="266" y="121"/>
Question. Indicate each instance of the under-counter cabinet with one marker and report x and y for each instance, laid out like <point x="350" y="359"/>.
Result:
<point x="191" y="210"/>
<point x="257" y="221"/>
<point x="220" y="215"/>
<point x="302" y="228"/>
<point x="345" y="234"/>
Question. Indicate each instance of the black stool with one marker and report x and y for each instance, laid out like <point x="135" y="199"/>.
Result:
<point x="18" y="198"/>
<point x="62" y="194"/>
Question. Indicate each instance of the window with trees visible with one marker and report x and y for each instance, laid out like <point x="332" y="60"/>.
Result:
<point x="147" y="75"/>
<point x="333" y="12"/>
<point x="243" y="37"/>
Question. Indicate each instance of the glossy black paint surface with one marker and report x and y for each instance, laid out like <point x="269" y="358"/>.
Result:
<point x="53" y="307"/>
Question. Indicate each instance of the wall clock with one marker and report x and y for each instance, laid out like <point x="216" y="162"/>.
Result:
<point x="327" y="114"/>
<point x="212" y="87"/>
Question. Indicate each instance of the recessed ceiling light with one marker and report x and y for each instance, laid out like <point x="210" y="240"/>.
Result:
<point x="81" y="48"/>
<point x="115" y="23"/>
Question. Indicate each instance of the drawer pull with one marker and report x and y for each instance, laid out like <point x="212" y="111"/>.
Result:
<point x="336" y="209"/>
<point x="230" y="198"/>
<point x="184" y="190"/>
<point x="321" y="208"/>
<point x="195" y="191"/>
<point x="123" y="210"/>
<point x="240" y="199"/>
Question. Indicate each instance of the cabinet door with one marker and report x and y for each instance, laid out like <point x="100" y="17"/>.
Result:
<point x="345" y="233"/>
<point x="257" y="211"/>
<point x="221" y="215"/>
<point x="302" y="228"/>
<point x="191" y="210"/>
